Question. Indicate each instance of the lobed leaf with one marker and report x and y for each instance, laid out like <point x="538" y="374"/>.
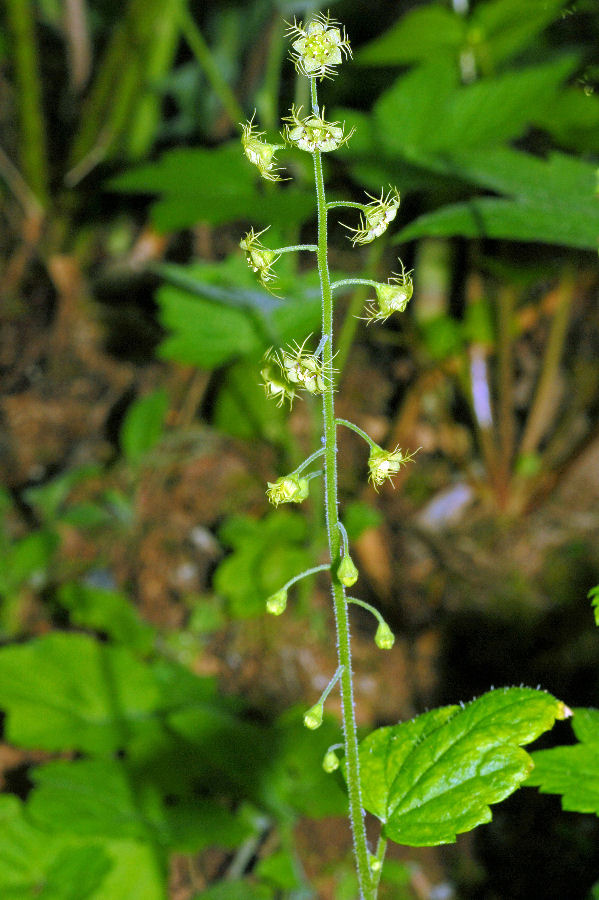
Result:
<point x="432" y="778"/>
<point x="572" y="771"/>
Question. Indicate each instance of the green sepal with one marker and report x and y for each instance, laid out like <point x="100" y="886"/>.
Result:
<point x="347" y="572"/>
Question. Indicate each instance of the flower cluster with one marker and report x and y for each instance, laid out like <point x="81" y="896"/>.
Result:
<point x="303" y="368"/>
<point x="384" y="464"/>
<point x="314" y="132"/>
<point x="376" y="217"/>
<point x="259" y="152"/>
<point x="288" y="489"/>
<point x="391" y="297"/>
<point x="259" y="258"/>
<point x="318" y="47"/>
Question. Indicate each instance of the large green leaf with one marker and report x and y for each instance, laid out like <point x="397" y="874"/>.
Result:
<point x="572" y="771"/>
<point x="428" y="115"/>
<point x="236" y="890"/>
<point x="107" y="799"/>
<point x="36" y="864"/>
<point x="550" y="201"/>
<point x="432" y="778"/>
<point x="212" y="185"/>
<point x="71" y="692"/>
<point x="106" y="611"/>
<point x="494" y="32"/>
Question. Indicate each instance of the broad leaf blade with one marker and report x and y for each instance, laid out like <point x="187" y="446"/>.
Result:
<point x="572" y="771"/>
<point x="435" y="777"/>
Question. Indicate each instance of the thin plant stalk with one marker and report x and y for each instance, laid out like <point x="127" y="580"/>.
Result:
<point x="367" y="889"/>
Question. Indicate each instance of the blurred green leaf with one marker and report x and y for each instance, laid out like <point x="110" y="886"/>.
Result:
<point x="266" y="554"/>
<point x="593" y="596"/>
<point x="236" y="890"/>
<point x="431" y="32"/>
<point x="435" y="777"/>
<point x="212" y="185"/>
<point x="428" y="115"/>
<point x="243" y="410"/>
<point x="143" y="425"/>
<point x="28" y="559"/>
<point x="551" y="201"/>
<point x="36" y="864"/>
<point x="572" y="771"/>
<point x="279" y="870"/>
<point x="49" y="498"/>
<point x="358" y="517"/>
<point x="106" y="611"/>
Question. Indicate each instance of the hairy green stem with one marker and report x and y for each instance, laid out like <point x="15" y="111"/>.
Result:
<point x="367" y="890"/>
<point x="359" y="431"/>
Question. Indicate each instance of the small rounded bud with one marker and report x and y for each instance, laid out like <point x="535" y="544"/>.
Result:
<point x="288" y="489"/>
<point x="384" y="637"/>
<point x="277" y="603"/>
<point x="374" y="863"/>
<point x="330" y="762"/>
<point x="347" y="572"/>
<point x="313" y="718"/>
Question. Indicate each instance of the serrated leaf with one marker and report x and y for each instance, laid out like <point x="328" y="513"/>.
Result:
<point x="551" y="201"/>
<point x="143" y="425"/>
<point x="435" y="777"/>
<point x="572" y="771"/>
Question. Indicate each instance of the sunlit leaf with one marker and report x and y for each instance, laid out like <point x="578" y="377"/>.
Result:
<point x="435" y="777"/>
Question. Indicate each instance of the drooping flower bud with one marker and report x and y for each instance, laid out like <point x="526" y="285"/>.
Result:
<point x="330" y="762"/>
<point x="347" y="572"/>
<point x="384" y="637"/>
<point x="260" y="153"/>
<point x="314" y="716"/>
<point x="314" y="132"/>
<point x="384" y="464"/>
<point x="288" y="489"/>
<point x="391" y="297"/>
<point x="277" y="603"/>
<point x="318" y="47"/>
<point x="259" y="258"/>
<point x="376" y="217"/>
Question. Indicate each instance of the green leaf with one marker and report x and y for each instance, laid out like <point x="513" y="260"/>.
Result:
<point x="434" y="777"/>
<point x="49" y="498"/>
<point x="143" y="425"/>
<point x="432" y="94"/>
<point x="500" y="29"/>
<point x="267" y="553"/>
<point x="551" y="201"/>
<point x="211" y="185"/>
<point x="572" y="771"/>
<point x="136" y="873"/>
<point x="423" y="34"/>
<point x="108" y="799"/>
<point x="35" y="863"/>
<point x="358" y="517"/>
<point x="106" y="611"/>
<point x="280" y="870"/>
<point x="29" y="559"/>
<point x="593" y="596"/>
<point x="236" y="890"/>
<point x="71" y="692"/>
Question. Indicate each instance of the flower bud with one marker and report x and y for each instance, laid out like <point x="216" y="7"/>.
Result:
<point x="376" y="218"/>
<point x="260" y="153"/>
<point x="288" y="489"/>
<point x="277" y="603"/>
<point x="259" y="258"/>
<point x="313" y="718"/>
<point x="391" y="297"/>
<point x="384" y="637"/>
<point x="330" y="762"/>
<point x="347" y="573"/>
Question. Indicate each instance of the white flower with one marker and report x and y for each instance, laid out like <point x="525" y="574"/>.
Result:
<point x="384" y="464"/>
<point x="288" y="489"/>
<point x="302" y="368"/>
<point x="314" y="132"/>
<point x="318" y="47"/>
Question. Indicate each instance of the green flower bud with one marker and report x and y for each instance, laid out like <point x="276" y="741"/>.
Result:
<point x="330" y="762"/>
<point x="260" y="153"/>
<point x="277" y="603"/>
<point x="313" y="718"/>
<point x="376" y="218"/>
<point x="384" y="637"/>
<point x="391" y="297"/>
<point x="259" y="258"/>
<point x="347" y="573"/>
<point x="384" y="464"/>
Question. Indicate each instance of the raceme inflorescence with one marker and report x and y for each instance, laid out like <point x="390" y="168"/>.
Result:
<point x="318" y="49"/>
